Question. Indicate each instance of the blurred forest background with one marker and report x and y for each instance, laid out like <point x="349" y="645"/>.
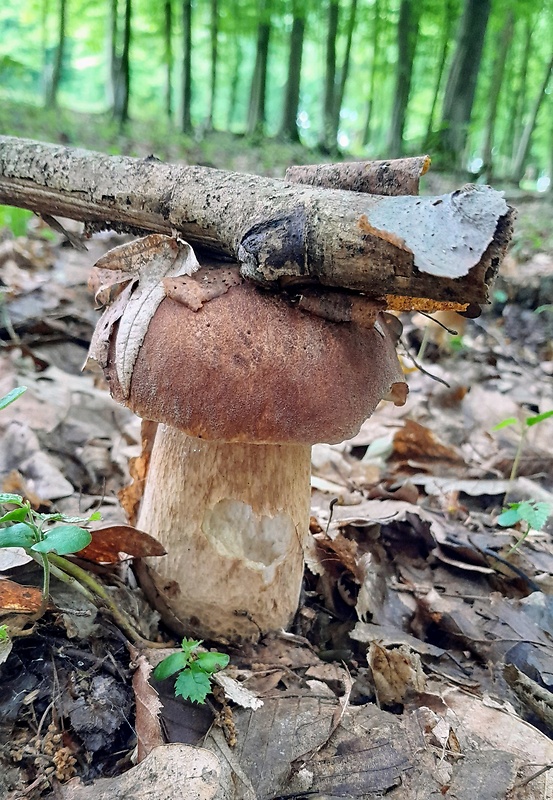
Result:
<point x="468" y="81"/>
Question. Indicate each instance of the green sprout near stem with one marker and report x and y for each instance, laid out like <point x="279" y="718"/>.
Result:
<point x="4" y="633"/>
<point x="48" y="542"/>
<point x="23" y="527"/>
<point x="531" y="513"/>
<point x="195" y="670"/>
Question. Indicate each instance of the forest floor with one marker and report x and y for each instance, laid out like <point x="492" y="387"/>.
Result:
<point x="420" y="664"/>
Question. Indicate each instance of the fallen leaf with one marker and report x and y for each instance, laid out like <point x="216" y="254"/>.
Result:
<point x="144" y="263"/>
<point x="148" y="708"/>
<point x="168" y="772"/>
<point x="15" y="597"/>
<point x="396" y="672"/>
<point x="236" y="692"/>
<point x="108" y="542"/>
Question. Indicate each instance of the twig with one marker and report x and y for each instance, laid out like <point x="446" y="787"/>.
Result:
<point x="412" y="358"/>
<point x="534" y="776"/>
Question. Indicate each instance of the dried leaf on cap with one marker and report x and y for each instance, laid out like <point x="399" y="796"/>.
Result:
<point x="143" y="263"/>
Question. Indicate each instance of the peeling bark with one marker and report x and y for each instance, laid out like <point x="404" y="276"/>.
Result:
<point x="392" y="178"/>
<point x="445" y="248"/>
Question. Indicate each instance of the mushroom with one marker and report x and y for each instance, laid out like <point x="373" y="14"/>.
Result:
<point x="242" y="383"/>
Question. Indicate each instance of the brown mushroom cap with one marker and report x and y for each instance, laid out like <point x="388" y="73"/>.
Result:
<point x="248" y="367"/>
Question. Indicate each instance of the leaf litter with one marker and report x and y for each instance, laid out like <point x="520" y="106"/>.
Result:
<point x="421" y="659"/>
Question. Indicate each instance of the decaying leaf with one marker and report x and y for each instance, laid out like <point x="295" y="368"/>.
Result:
<point x="108" y="542"/>
<point x="143" y="263"/>
<point x="22" y="599"/>
<point x="174" y="770"/>
<point x="236" y="692"/>
<point x="148" y="708"/>
<point x="396" y="672"/>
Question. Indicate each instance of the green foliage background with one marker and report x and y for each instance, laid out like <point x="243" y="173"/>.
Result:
<point x="29" y="38"/>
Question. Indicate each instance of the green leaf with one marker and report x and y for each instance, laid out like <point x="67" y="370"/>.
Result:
<point x="189" y="646"/>
<point x="58" y="517"/>
<point x="17" y="515"/>
<point x="505" y="423"/>
<point x="20" y="535"/>
<point x="193" y="684"/>
<point x="15" y="499"/>
<point x="211" y="662"/>
<point x="510" y="517"/>
<point x="173" y="663"/>
<point x="63" y="540"/>
<point x="4" y="633"/>
<point x="11" y="396"/>
<point x="534" y="513"/>
<point x="538" y="418"/>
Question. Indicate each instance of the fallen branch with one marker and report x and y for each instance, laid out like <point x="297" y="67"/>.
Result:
<point x="396" y="177"/>
<point x="445" y="248"/>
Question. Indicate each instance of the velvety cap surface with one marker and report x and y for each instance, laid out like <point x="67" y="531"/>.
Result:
<point x="248" y="367"/>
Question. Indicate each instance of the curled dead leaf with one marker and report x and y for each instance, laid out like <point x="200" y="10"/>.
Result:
<point x="108" y="542"/>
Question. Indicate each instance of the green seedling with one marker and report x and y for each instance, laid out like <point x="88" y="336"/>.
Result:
<point x="47" y="541"/>
<point x="39" y="535"/>
<point x="531" y="513"/>
<point x="525" y="426"/>
<point x="195" y="670"/>
<point x="4" y="633"/>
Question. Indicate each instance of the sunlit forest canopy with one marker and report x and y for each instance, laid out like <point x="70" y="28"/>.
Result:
<point x="467" y="80"/>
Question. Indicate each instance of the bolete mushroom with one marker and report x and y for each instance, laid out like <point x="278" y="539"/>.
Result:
<point x="243" y="383"/>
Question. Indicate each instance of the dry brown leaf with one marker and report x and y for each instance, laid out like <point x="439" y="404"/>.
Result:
<point x="169" y="772"/>
<point x="108" y="542"/>
<point x="396" y="672"/>
<point x="144" y="263"/>
<point x="416" y="443"/>
<point x="15" y="597"/>
<point x="148" y="708"/>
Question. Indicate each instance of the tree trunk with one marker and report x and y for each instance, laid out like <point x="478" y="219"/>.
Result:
<point x="501" y="50"/>
<point x="256" y="114"/>
<point x="461" y="82"/>
<point x="44" y="12"/>
<point x="327" y="142"/>
<point x="524" y="145"/>
<point x="289" y="127"/>
<point x="374" y="64"/>
<point x="113" y="58"/>
<point x="407" y="34"/>
<point x="344" y="72"/>
<point x="214" y="35"/>
<point x="234" y="68"/>
<point x="125" y="72"/>
<point x="186" y="119"/>
<point x="447" y="25"/>
<point x="515" y="127"/>
<point x="168" y="47"/>
<point x="120" y="65"/>
<point x="57" y="67"/>
<point x="280" y="233"/>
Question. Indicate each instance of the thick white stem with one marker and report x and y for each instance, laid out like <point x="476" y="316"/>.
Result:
<point x="233" y="519"/>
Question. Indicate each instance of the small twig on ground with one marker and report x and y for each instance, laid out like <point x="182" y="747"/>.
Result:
<point x="412" y="358"/>
<point x="534" y="776"/>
